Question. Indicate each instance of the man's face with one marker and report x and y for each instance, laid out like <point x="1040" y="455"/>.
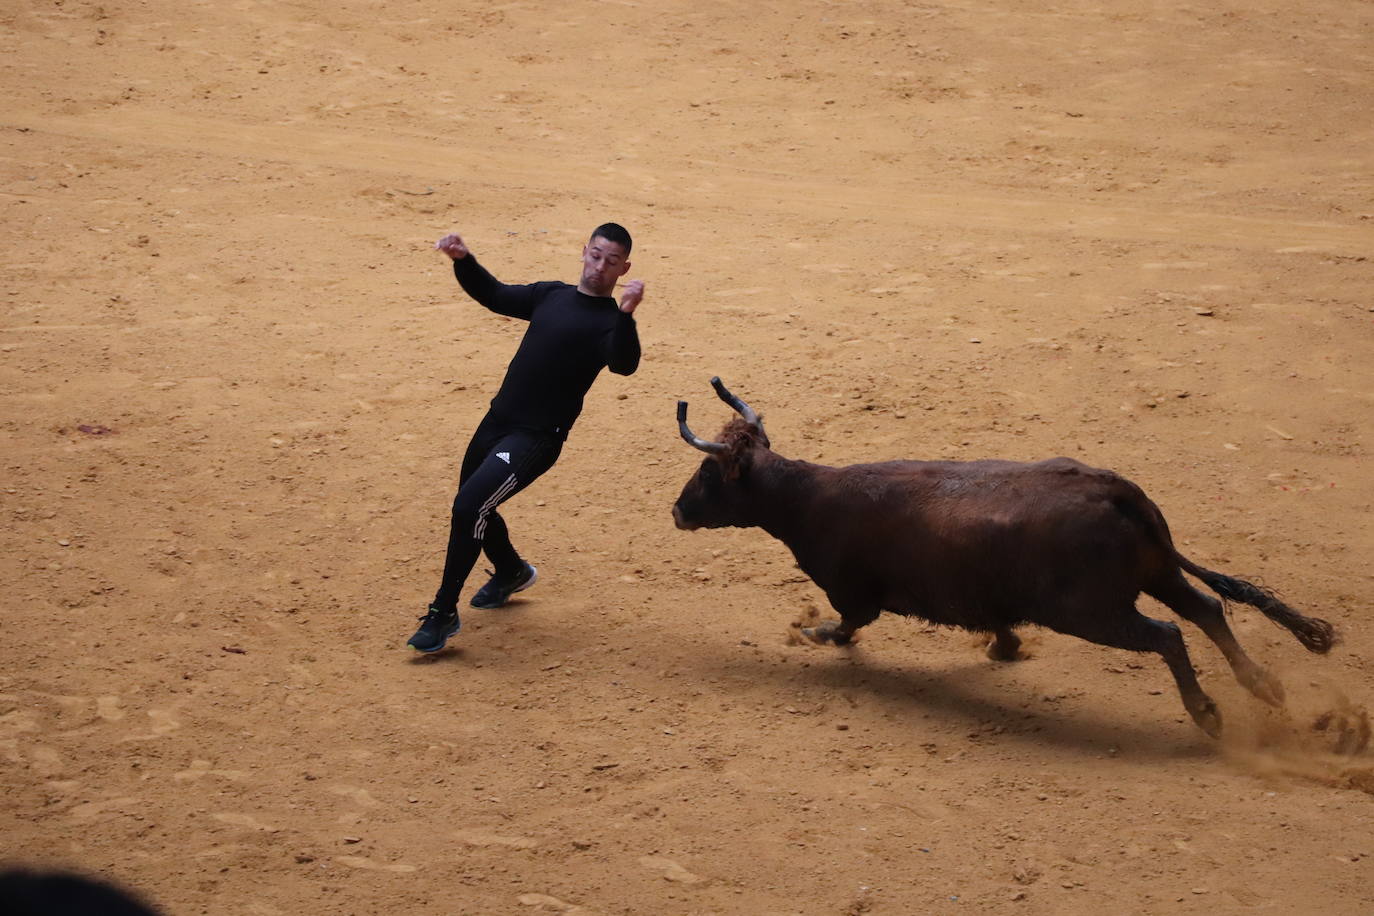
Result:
<point x="603" y="263"/>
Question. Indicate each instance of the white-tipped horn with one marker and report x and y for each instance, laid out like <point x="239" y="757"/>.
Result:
<point x="741" y="408"/>
<point x="710" y="448"/>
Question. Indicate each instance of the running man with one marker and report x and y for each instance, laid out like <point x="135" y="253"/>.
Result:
<point x="573" y="332"/>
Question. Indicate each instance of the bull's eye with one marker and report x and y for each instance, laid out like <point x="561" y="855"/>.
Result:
<point x="711" y="474"/>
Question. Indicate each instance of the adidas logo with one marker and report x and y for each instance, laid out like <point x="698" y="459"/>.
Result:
<point x="504" y="456"/>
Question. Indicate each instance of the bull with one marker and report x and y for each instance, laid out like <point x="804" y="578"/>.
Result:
<point x="984" y="545"/>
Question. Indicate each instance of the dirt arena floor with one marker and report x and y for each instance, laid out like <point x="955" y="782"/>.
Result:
<point x="235" y="382"/>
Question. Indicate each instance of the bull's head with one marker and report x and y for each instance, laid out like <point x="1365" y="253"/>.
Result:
<point x="716" y="496"/>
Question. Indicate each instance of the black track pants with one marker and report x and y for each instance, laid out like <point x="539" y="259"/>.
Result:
<point x="500" y="462"/>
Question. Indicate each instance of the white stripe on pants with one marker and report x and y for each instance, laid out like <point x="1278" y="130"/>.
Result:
<point x="492" y="502"/>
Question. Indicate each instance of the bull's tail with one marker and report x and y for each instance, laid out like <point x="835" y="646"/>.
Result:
<point x="1316" y="634"/>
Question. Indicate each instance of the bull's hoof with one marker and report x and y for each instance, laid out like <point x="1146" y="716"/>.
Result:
<point x="1005" y="647"/>
<point x="1207" y="717"/>
<point x="999" y="653"/>
<point x="829" y="633"/>
<point x="1264" y="686"/>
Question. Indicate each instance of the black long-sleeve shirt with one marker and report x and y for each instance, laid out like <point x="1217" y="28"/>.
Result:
<point x="570" y="338"/>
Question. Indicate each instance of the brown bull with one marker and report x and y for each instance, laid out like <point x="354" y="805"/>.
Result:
<point x="983" y="545"/>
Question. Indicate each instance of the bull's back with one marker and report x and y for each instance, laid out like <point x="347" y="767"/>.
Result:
<point x="979" y="541"/>
<point x="999" y="488"/>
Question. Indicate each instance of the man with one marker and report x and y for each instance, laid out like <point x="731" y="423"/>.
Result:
<point x="573" y="332"/>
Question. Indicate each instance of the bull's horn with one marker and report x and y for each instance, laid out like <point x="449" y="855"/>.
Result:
<point x="711" y="448"/>
<point x="741" y="408"/>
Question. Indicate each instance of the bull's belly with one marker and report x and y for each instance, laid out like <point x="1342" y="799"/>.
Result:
<point x="972" y="608"/>
<point x="968" y="615"/>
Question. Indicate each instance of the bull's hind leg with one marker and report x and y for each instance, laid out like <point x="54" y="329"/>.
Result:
<point x="1206" y="611"/>
<point x="1127" y="628"/>
<point x="1175" y="655"/>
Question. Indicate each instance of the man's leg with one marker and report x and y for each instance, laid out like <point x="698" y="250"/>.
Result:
<point x="509" y="466"/>
<point x="441" y="620"/>
<point x="505" y="559"/>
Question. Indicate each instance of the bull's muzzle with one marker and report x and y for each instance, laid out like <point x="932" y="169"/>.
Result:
<point x="681" y="523"/>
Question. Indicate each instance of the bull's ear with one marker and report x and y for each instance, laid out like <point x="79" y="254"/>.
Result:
<point x="735" y="463"/>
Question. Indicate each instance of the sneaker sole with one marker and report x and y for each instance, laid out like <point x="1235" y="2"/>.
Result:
<point x="534" y="577"/>
<point x="442" y="642"/>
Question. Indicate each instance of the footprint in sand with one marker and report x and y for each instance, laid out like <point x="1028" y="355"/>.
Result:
<point x="360" y="796"/>
<point x="18" y="721"/>
<point x="368" y="864"/>
<point x="244" y="820"/>
<point x="545" y="903"/>
<point x="201" y="768"/>
<point x="670" y="870"/>
<point x="46" y="762"/>
<point x="482" y="838"/>
<point x="99" y="810"/>
<point x="108" y="709"/>
<point x="163" y="724"/>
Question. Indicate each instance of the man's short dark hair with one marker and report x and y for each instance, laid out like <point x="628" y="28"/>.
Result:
<point x="614" y="232"/>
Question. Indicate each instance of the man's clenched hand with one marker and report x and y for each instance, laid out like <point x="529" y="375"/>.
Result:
<point x="631" y="295"/>
<point x="452" y="245"/>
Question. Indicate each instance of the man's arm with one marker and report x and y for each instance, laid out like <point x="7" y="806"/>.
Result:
<point x="477" y="282"/>
<point x="622" y="344"/>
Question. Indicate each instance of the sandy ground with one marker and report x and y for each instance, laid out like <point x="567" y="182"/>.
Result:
<point x="236" y="381"/>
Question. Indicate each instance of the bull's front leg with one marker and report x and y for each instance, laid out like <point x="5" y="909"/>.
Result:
<point x="830" y="632"/>
<point x="1005" y="645"/>
<point x="841" y="632"/>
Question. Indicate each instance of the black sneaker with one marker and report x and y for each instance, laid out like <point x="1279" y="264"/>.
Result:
<point x="435" y="629"/>
<point x="498" y="589"/>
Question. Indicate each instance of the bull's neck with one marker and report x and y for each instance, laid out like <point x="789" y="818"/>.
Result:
<point x="784" y="488"/>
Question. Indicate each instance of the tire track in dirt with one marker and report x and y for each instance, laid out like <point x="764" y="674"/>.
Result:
<point x="776" y="191"/>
